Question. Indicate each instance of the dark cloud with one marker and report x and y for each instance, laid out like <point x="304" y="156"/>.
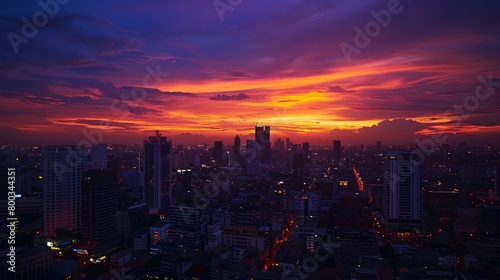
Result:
<point x="339" y="89"/>
<point x="224" y="97"/>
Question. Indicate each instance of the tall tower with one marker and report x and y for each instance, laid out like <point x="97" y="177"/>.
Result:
<point x="237" y="150"/>
<point x="157" y="172"/>
<point x="62" y="178"/>
<point x="336" y="152"/>
<point x="306" y="150"/>
<point x="263" y="140"/>
<point x="99" y="205"/>
<point x="217" y="155"/>
<point x="402" y="191"/>
<point x="298" y="171"/>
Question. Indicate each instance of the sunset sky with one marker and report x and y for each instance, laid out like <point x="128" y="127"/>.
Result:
<point x="278" y="60"/>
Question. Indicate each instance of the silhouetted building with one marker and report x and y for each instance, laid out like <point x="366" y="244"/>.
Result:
<point x="298" y="171"/>
<point x="99" y="205"/>
<point x="217" y="155"/>
<point x="263" y="139"/>
<point x="337" y="149"/>
<point x="188" y="227"/>
<point x="306" y="150"/>
<point x="279" y="145"/>
<point x="237" y="150"/>
<point x="62" y="179"/>
<point x="131" y="220"/>
<point x="253" y="157"/>
<point x="183" y="185"/>
<point x="402" y="191"/>
<point x="99" y="156"/>
<point x="157" y="172"/>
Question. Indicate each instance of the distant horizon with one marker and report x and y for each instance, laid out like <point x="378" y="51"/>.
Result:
<point x="386" y="132"/>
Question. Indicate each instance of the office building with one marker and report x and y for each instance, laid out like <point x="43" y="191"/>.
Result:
<point x="99" y="156"/>
<point x="298" y="171"/>
<point x="237" y="150"/>
<point x="217" y="154"/>
<point x="253" y="157"/>
<point x="306" y="150"/>
<point x="337" y="154"/>
<point x="157" y="172"/>
<point x="263" y="140"/>
<point x="187" y="227"/>
<point x="62" y="180"/>
<point x="402" y="191"/>
<point x="99" y="205"/>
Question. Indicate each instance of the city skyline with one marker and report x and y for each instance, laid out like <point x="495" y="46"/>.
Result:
<point x="250" y="139"/>
<point x="303" y="67"/>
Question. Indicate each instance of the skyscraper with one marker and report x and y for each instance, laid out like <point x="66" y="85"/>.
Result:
<point x="183" y="185"/>
<point x="99" y="205"/>
<point x="62" y="178"/>
<point x="157" y="172"/>
<point x="99" y="156"/>
<point x="237" y="150"/>
<point x="217" y="155"/>
<point x="306" y="150"/>
<point x="298" y="171"/>
<point x="253" y="157"/>
<point x="336" y="152"/>
<point x="402" y="191"/>
<point x="263" y="140"/>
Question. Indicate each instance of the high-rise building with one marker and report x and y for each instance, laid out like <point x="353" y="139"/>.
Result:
<point x="289" y="144"/>
<point x="62" y="179"/>
<point x="188" y="227"/>
<point x="402" y="191"/>
<point x="183" y="189"/>
<point x="263" y="139"/>
<point x="298" y="171"/>
<point x="99" y="156"/>
<point x="217" y="155"/>
<point x="157" y="172"/>
<point x="306" y="150"/>
<point x="279" y="145"/>
<point x="497" y="184"/>
<point x="99" y="205"/>
<point x="237" y="150"/>
<point x="336" y="152"/>
<point x="306" y="209"/>
<point x="253" y="157"/>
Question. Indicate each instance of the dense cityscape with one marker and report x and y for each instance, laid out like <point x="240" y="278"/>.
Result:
<point x="254" y="210"/>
